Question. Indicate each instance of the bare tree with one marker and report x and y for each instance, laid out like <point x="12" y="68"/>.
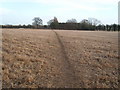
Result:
<point x="52" y="20"/>
<point x="72" y="21"/>
<point x="37" y="22"/>
<point x="85" y="24"/>
<point x="53" y="23"/>
<point x="55" y="20"/>
<point x="94" y="21"/>
<point x="85" y="21"/>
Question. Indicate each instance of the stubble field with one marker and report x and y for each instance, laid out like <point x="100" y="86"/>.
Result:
<point x="59" y="59"/>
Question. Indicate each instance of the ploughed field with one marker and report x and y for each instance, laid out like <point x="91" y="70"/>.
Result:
<point x="33" y="58"/>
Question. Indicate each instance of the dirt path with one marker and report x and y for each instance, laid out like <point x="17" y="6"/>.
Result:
<point x="71" y="79"/>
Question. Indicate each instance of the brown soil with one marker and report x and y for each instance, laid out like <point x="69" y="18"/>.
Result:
<point x="59" y="59"/>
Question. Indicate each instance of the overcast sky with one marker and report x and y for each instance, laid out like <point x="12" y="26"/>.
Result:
<point x="23" y="11"/>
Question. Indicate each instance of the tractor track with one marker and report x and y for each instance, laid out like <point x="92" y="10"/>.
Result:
<point x="71" y="79"/>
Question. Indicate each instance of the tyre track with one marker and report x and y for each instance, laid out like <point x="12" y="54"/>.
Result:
<point x="71" y="79"/>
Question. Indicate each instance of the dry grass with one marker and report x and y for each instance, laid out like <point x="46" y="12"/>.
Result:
<point x="94" y="56"/>
<point x="35" y="58"/>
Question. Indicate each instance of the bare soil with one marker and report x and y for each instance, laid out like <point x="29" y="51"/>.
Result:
<point x="33" y="58"/>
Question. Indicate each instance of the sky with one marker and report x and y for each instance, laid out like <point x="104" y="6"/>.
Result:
<point x="17" y="12"/>
<point x="119" y="12"/>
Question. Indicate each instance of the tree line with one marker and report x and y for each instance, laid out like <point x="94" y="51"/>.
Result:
<point x="71" y="24"/>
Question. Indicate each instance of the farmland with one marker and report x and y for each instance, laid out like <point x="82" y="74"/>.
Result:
<point x="33" y="58"/>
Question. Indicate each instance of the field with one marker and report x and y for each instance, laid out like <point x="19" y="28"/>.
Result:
<point x="59" y="58"/>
